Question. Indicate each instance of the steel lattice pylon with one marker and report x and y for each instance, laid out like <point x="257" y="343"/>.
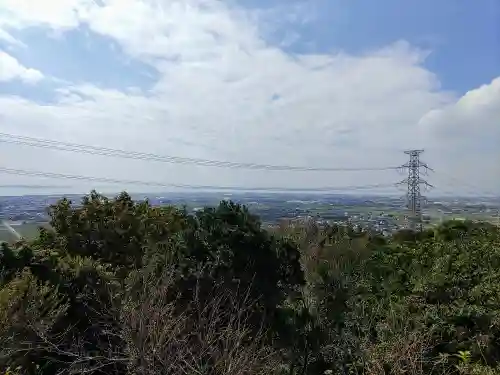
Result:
<point x="414" y="197"/>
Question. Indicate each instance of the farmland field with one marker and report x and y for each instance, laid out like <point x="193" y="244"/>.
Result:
<point x="6" y="235"/>
<point x="28" y="231"/>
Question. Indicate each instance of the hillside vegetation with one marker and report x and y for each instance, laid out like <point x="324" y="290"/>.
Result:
<point x="119" y="287"/>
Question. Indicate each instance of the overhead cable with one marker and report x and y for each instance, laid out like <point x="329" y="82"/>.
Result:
<point x="93" y="150"/>
<point x="32" y="173"/>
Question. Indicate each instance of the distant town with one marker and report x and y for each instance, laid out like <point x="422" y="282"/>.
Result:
<point x="22" y="215"/>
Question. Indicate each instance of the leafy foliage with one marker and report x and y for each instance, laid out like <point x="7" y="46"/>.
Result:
<point x="121" y="287"/>
<point x="103" y="256"/>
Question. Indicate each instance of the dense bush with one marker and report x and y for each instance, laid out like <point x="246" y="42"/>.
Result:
<point x="120" y="287"/>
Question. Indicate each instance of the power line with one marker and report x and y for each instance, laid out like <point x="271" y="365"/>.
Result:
<point x="31" y="173"/>
<point x="93" y="150"/>
<point x="473" y="188"/>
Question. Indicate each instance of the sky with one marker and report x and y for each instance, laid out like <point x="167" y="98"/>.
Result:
<point x="309" y="83"/>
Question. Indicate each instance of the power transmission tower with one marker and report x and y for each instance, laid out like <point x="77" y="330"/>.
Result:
<point x="414" y="197"/>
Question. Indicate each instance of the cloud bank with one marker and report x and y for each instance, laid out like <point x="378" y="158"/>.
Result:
<point x="223" y="90"/>
<point x="11" y="69"/>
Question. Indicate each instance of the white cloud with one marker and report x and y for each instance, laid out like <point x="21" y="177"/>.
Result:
<point x="466" y="136"/>
<point x="55" y="14"/>
<point x="476" y="115"/>
<point x="214" y="100"/>
<point x="6" y="37"/>
<point x="11" y="69"/>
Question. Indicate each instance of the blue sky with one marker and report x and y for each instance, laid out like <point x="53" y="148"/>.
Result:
<point x="462" y="36"/>
<point x="254" y="81"/>
<point x="78" y="56"/>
